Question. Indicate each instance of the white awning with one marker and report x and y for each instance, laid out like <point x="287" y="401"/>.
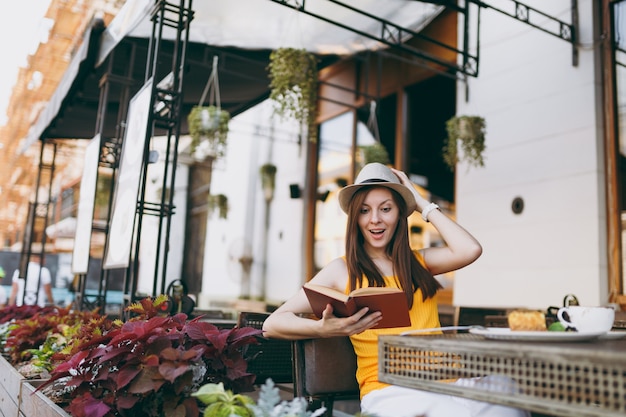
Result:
<point x="264" y="24"/>
<point x="249" y="24"/>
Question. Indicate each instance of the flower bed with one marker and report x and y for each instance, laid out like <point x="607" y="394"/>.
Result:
<point x="92" y="366"/>
<point x="153" y="365"/>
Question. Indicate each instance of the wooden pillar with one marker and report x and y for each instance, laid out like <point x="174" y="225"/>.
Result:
<point x="196" y="226"/>
<point x="611" y="147"/>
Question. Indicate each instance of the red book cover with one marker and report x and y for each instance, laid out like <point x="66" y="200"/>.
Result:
<point x="390" y="301"/>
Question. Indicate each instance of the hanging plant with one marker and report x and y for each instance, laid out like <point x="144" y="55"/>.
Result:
<point x="293" y="84"/>
<point x="467" y="135"/>
<point x="268" y="180"/>
<point x="374" y="153"/>
<point x="268" y="176"/>
<point x="208" y="128"/>
<point x="218" y="202"/>
<point x="208" y="125"/>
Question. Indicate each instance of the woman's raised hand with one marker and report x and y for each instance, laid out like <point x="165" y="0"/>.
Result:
<point x="404" y="180"/>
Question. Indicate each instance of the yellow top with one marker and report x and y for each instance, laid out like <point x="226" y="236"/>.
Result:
<point x="424" y="314"/>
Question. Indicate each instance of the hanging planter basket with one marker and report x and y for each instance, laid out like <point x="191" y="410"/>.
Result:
<point x="465" y="141"/>
<point x="218" y="203"/>
<point x="293" y="84"/>
<point x="208" y="128"/>
<point x="208" y="125"/>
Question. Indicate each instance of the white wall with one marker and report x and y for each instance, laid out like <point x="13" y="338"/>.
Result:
<point x="543" y="145"/>
<point x="236" y="176"/>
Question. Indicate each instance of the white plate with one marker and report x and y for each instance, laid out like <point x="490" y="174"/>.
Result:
<point x="500" y="333"/>
<point x="613" y="335"/>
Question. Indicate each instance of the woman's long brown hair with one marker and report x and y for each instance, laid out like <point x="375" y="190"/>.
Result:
<point x="409" y="272"/>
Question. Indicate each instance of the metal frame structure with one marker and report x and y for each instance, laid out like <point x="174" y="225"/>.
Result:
<point x="393" y="35"/>
<point x="166" y="103"/>
<point x="526" y="14"/>
<point x="110" y="149"/>
<point x="38" y="209"/>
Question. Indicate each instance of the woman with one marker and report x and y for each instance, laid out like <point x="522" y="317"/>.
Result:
<point x="378" y="254"/>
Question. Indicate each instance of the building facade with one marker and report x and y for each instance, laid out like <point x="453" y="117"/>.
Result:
<point x="546" y="206"/>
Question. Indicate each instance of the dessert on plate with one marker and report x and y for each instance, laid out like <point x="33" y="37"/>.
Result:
<point x="527" y="320"/>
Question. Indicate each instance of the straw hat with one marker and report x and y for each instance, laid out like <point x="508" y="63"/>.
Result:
<point x="376" y="174"/>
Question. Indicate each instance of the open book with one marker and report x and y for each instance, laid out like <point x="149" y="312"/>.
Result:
<point x="390" y="301"/>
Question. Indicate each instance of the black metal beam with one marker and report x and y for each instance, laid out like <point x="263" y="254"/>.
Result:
<point x="528" y="15"/>
<point x="392" y="35"/>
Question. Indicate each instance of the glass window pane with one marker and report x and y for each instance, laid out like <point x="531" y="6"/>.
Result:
<point x="335" y="160"/>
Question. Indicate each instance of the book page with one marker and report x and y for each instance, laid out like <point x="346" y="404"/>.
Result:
<point x="374" y="290"/>
<point x="330" y="292"/>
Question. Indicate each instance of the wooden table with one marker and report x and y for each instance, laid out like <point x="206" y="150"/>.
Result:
<point x="584" y="379"/>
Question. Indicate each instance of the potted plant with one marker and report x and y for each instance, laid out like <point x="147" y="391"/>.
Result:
<point x="467" y="135"/>
<point x="268" y="179"/>
<point x="208" y="128"/>
<point x="293" y="84"/>
<point x="374" y="153"/>
<point x="218" y="202"/>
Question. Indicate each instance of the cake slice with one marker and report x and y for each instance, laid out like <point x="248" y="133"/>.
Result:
<point x="527" y="320"/>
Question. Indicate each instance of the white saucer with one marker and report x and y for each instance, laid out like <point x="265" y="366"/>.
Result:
<point x="613" y="335"/>
<point x="499" y="333"/>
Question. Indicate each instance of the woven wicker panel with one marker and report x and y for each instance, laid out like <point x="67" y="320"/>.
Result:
<point x="576" y="379"/>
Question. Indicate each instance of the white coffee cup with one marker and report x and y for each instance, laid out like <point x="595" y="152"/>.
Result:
<point x="588" y="319"/>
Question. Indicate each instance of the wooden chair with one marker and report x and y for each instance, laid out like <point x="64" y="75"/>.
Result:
<point x="324" y="370"/>
<point x="321" y="370"/>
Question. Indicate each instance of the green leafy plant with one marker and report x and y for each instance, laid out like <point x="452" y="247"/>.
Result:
<point x="221" y="402"/>
<point x="150" y="365"/>
<point x="293" y="84"/>
<point x="466" y="133"/>
<point x="208" y="128"/>
<point x="374" y="153"/>
<point x="219" y="203"/>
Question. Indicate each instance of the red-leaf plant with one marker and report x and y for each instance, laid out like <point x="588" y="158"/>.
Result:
<point x="14" y="312"/>
<point x="30" y="333"/>
<point x="150" y="367"/>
